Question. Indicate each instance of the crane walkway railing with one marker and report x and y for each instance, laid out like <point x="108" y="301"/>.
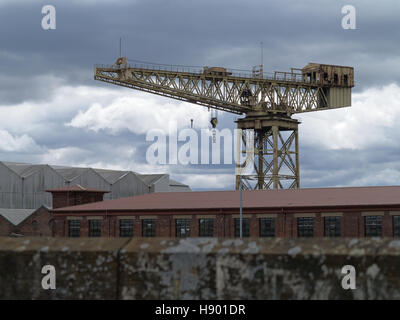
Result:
<point x="276" y="76"/>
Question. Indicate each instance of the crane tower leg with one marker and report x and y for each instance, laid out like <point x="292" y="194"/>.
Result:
<point x="274" y="163"/>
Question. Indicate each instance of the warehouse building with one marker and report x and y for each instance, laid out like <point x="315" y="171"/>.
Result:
<point x="317" y="212"/>
<point x="24" y="185"/>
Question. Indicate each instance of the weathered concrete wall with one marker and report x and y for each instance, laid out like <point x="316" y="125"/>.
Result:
<point x="199" y="268"/>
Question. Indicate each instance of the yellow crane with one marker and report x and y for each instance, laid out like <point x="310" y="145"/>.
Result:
<point x="266" y="101"/>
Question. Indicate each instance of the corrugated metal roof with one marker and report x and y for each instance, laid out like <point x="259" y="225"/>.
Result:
<point x="71" y="173"/>
<point x="111" y="176"/>
<point x="316" y="197"/>
<point x="16" y="216"/>
<point x="151" y="178"/>
<point x="176" y="183"/>
<point x="24" y="169"/>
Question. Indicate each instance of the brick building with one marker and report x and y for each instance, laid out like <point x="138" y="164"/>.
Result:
<point x="26" y="222"/>
<point x="75" y="195"/>
<point x="319" y="212"/>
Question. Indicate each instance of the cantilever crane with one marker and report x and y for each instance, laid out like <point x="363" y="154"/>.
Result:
<point x="268" y="102"/>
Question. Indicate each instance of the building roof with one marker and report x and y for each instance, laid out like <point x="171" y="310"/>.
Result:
<point x="70" y="173"/>
<point x="111" y="176"/>
<point x="149" y="179"/>
<point x="77" y="188"/>
<point x="176" y="183"/>
<point x="16" y="216"/>
<point x="23" y="170"/>
<point x="293" y="198"/>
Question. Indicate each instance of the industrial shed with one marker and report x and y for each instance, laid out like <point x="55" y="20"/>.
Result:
<point x="122" y="183"/>
<point x="86" y="177"/>
<point x="23" y="185"/>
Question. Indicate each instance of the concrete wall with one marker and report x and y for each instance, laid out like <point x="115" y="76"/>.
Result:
<point x="199" y="268"/>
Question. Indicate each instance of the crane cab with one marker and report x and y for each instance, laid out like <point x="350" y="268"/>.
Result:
<point x="336" y="82"/>
<point x="330" y="75"/>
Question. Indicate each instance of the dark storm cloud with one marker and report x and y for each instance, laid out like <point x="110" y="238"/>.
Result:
<point x="346" y="167"/>
<point x="34" y="62"/>
<point x="198" y="33"/>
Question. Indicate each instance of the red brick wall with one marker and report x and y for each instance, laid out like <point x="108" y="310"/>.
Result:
<point x="352" y="224"/>
<point x="387" y="224"/>
<point x="6" y="227"/>
<point x="43" y="228"/>
<point x="73" y="198"/>
<point x="38" y="224"/>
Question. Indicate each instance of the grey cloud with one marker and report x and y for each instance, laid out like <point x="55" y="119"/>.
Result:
<point x="34" y="63"/>
<point x="203" y="33"/>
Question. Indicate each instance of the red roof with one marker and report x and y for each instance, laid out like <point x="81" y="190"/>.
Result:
<point x="316" y="197"/>
<point x="77" y="188"/>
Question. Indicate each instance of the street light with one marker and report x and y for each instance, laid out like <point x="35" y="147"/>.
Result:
<point x="241" y="208"/>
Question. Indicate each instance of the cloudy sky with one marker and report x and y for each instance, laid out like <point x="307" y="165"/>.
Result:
<point x="52" y="111"/>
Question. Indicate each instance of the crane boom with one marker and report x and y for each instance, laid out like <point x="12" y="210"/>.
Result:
<point x="284" y="92"/>
<point x="267" y="101"/>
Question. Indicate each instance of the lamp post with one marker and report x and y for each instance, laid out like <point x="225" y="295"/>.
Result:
<point x="241" y="209"/>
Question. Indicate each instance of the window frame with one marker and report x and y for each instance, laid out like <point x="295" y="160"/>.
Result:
<point x="267" y="234"/>
<point x="336" y="233"/>
<point x="145" y="231"/>
<point x="72" y="229"/>
<point x="185" y="225"/>
<point x="95" y="228"/>
<point x="394" y="222"/>
<point x="205" y="229"/>
<point x="126" y="231"/>
<point x="246" y="227"/>
<point x="301" y="224"/>
<point x="375" y="227"/>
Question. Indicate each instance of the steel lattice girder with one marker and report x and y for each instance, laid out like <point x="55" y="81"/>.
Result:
<point x="276" y="158"/>
<point x="223" y="93"/>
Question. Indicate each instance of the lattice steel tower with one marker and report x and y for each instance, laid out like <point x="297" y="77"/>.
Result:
<point x="267" y="101"/>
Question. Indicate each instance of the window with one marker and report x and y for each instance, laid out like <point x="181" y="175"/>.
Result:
<point x="396" y="226"/>
<point x="305" y="227"/>
<point x="34" y="225"/>
<point x="206" y="227"/>
<point x="245" y="227"/>
<point x="373" y="226"/>
<point x="345" y="79"/>
<point x="74" y="228"/>
<point x="148" y="227"/>
<point x="332" y="226"/>
<point x="126" y="228"/>
<point x="94" y="228"/>
<point x="267" y="227"/>
<point x="182" y="228"/>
